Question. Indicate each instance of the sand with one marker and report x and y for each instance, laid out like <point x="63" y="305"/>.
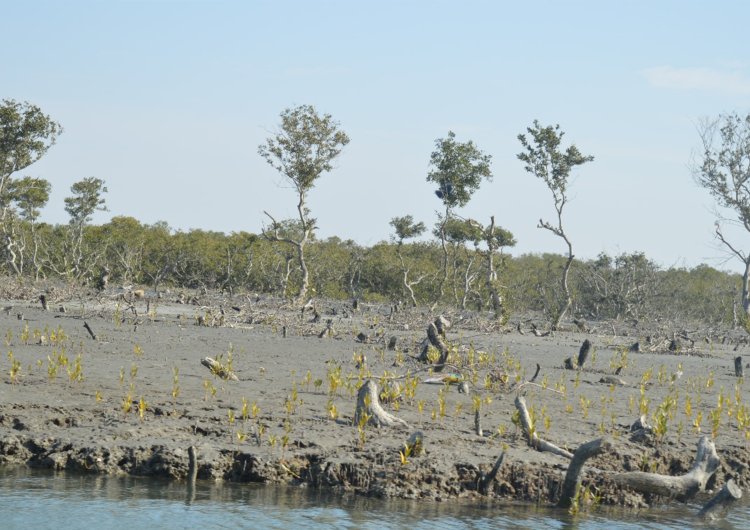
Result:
<point x="141" y="397"/>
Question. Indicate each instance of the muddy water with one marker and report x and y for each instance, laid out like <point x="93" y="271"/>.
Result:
<point x="41" y="499"/>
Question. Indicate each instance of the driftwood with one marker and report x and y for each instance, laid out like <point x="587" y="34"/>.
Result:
<point x="722" y="501"/>
<point x="486" y="479"/>
<point x="218" y="369"/>
<point x="738" y="370"/>
<point x="682" y="487"/>
<point x="531" y="436"/>
<point x="370" y="409"/>
<point x="436" y="337"/>
<point x="572" y="483"/>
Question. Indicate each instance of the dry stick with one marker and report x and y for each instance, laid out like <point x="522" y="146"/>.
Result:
<point x="684" y="486"/>
<point x="532" y="437"/>
<point x="368" y="403"/>
<point x="572" y="482"/>
<point x="88" y="328"/>
<point x="478" y="423"/>
<point x="722" y="501"/>
<point x="486" y="479"/>
<point x="538" y="368"/>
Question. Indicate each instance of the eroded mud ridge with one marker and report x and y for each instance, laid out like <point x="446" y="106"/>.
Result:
<point x="133" y="400"/>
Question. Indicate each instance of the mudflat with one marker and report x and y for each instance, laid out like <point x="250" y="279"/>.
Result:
<point x="134" y="399"/>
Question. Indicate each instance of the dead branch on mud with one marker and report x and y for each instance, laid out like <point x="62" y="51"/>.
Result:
<point x="530" y="431"/>
<point x="684" y="486"/>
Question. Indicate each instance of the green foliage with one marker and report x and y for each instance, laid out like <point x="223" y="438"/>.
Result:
<point x="458" y="169"/>
<point x="26" y="134"/>
<point x="86" y="199"/>
<point x="406" y="228"/>
<point x="305" y="146"/>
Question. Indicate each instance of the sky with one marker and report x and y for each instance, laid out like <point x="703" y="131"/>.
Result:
<point x="168" y="101"/>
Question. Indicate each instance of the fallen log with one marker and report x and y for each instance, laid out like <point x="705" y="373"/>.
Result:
<point x="682" y="487"/>
<point x="370" y="411"/>
<point x="722" y="501"/>
<point x="530" y="431"/>
<point x="218" y="369"/>
<point x="572" y="483"/>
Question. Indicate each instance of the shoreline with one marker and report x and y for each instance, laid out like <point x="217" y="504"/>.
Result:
<point x="296" y="429"/>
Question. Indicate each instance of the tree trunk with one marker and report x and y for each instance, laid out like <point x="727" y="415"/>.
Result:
<point x="722" y="501"/>
<point x="746" y="288"/>
<point x="370" y="411"/>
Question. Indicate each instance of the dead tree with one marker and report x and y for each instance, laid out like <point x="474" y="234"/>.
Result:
<point x="682" y="487"/>
<point x="530" y="431"/>
<point x="572" y="482"/>
<point x="722" y="501"/>
<point x="369" y="409"/>
<point x="436" y="338"/>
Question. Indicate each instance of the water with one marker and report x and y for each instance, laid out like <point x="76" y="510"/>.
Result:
<point x="35" y="499"/>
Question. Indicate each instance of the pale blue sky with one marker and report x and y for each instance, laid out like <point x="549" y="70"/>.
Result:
<point x="168" y="101"/>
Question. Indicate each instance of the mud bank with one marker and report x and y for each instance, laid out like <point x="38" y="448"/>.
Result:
<point x="133" y="400"/>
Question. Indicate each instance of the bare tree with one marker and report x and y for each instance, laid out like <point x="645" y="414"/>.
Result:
<point x="544" y="159"/>
<point x="724" y="170"/>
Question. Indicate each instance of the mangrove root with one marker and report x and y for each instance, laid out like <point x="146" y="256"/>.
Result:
<point x="369" y="410"/>
<point x="682" y="487"/>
